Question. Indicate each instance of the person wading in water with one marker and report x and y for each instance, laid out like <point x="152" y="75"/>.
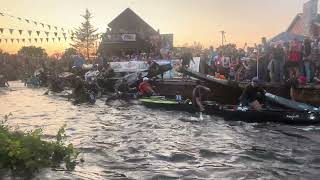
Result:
<point x="199" y="92"/>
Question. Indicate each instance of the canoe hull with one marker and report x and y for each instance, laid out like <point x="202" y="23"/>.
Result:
<point x="232" y="113"/>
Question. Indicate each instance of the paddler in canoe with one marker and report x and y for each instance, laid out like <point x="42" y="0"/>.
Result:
<point x="145" y="88"/>
<point x="252" y="95"/>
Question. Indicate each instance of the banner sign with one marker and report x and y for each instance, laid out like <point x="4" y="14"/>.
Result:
<point x="118" y="38"/>
<point x="128" y="37"/>
<point x="136" y="66"/>
<point x="131" y="66"/>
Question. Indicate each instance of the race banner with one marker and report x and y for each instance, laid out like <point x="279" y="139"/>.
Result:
<point x="130" y="66"/>
<point x="136" y="66"/>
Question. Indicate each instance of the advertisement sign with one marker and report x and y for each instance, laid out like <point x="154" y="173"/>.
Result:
<point x="129" y="66"/>
<point x="128" y="37"/>
<point x="136" y="66"/>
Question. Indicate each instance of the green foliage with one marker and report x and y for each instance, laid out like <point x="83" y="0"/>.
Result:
<point x="32" y="51"/>
<point x="85" y="36"/>
<point x="26" y="153"/>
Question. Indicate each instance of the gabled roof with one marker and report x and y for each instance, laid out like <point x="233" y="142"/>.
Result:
<point x="286" y="37"/>
<point x="131" y="17"/>
<point x="297" y="18"/>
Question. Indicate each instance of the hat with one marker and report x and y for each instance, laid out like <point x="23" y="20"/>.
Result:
<point x="145" y="79"/>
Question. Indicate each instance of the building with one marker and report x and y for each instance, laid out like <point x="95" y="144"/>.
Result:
<point x="130" y="34"/>
<point x="305" y="24"/>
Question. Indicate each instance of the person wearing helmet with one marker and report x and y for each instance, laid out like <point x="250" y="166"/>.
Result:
<point x="252" y="94"/>
<point x="145" y="88"/>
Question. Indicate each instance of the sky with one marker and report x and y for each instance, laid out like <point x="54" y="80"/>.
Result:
<point x="244" y="21"/>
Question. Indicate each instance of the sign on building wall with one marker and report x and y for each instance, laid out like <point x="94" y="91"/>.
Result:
<point x="128" y="37"/>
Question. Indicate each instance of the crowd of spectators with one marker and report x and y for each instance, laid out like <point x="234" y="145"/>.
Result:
<point x="272" y="62"/>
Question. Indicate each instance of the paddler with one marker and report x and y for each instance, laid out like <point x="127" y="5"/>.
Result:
<point x="145" y="88"/>
<point x="252" y="94"/>
<point x="198" y="94"/>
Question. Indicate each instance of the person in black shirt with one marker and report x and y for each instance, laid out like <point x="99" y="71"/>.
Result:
<point x="252" y="94"/>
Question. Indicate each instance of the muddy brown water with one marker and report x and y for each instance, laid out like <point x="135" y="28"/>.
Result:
<point x="128" y="141"/>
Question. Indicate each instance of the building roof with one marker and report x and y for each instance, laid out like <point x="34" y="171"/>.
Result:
<point x="286" y="37"/>
<point x="295" y="20"/>
<point x="129" y="18"/>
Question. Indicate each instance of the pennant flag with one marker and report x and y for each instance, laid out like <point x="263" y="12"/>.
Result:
<point x="64" y="34"/>
<point x="47" y="33"/>
<point x="6" y="40"/>
<point x="23" y="40"/>
<point x="11" y="31"/>
<point x="20" y="18"/>
<point x="29" y="40"/>
<point x="18" y="40"/>
<point x="49" y="26"/>
<point x="41" y="39"/>
<point x="59" y="39"/>
<point x="38" y="32"/>
<point x="20" y="32"/>
<point x="56" y="27"/>
<point x="36" y="40"/>
<point x="28" y="21"/>
<point x="42" y="25"/>
<point x="56" y="34"/>
<point x="35" y="23"/>
<point x="52" y="39"/>
<point x="47" y="39"/>
<point x="29" y="32"/>
<point x="12" y="40"/>
<point x="1" y="30"/>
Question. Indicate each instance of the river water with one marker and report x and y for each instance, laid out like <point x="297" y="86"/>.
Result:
<point x="129" y="141"/>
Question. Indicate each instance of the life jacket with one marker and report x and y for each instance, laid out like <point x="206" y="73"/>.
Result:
<point x="145" y="88"/>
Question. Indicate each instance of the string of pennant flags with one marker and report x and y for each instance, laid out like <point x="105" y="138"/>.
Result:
<point x="36" y="23"/>
<point x="49" y="36"/>
<point x="30" y="40"/>
<point x="30" y="32"/>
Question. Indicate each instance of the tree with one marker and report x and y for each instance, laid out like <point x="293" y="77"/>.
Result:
<point x="32" y="51"/>
<point x="56" y="56"/>
<point x="85" y="36"/>
<point x="68" y="53"/>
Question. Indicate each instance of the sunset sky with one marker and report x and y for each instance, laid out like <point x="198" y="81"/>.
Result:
<point x="189" y="20"/>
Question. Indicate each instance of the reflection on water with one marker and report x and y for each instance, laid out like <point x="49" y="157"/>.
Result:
<point x="128" y="141"/>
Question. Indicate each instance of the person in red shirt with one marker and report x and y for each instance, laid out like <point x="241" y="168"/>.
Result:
<point x="145" y="88"/>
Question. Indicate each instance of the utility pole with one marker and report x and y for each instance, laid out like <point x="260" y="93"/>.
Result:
<point x="223" y="37"/>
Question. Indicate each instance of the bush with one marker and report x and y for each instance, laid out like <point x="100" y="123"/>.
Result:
<point x="26" y="153"/>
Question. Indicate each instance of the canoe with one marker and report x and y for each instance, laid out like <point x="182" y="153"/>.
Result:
<point x="234" y="113"/>
<point x="271" y="115"/>
<point x="168" y="104"/>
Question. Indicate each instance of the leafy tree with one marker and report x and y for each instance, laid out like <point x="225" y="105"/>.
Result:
<point x="85" y="36"/>
<point x="68" y="53"/>
<point x="32" y="51"/>
<point x="67" y="58"/>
